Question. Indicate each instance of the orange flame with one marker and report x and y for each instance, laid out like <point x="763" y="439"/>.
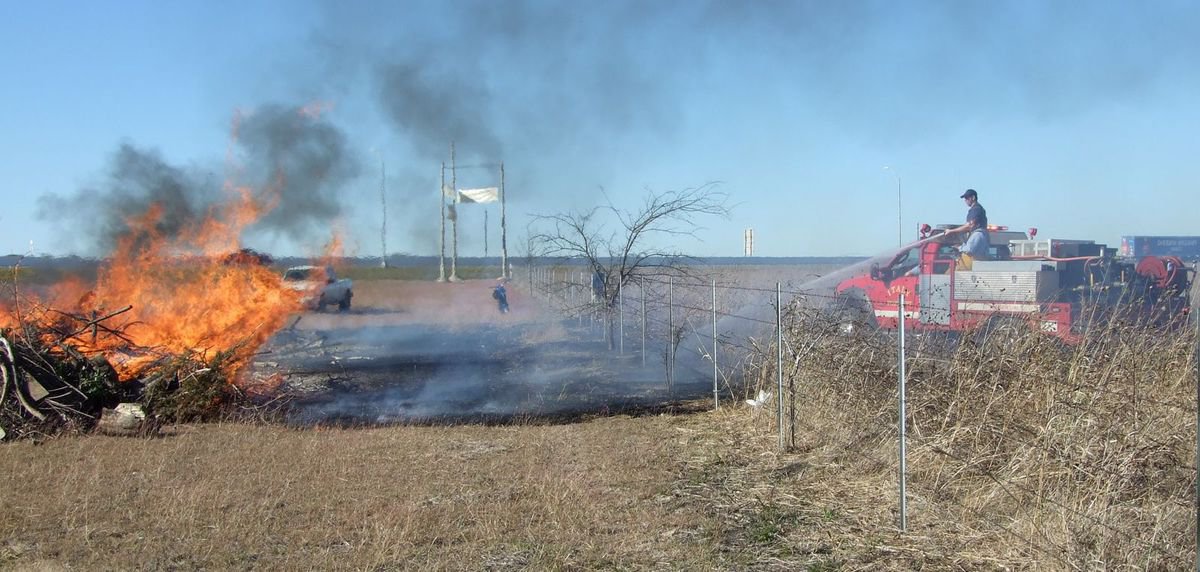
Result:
<point x="185" y="296"/>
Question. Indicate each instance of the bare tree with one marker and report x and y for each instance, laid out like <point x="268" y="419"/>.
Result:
<point x="619" y="245"/>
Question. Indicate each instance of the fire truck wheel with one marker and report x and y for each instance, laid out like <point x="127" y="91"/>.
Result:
<point x="853" y="313"/>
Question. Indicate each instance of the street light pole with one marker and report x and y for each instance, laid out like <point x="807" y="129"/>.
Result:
<point x="383" y="208"/>
<point x="382" y="205"/>
<point x="899" y="211"/>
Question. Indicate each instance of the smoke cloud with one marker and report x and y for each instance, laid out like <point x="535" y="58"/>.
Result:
<point x="307" y="159"/>
<point x="294" y="160"/>
<point x="138" y="179"/>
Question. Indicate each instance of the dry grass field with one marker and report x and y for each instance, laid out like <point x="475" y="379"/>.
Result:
<point x="593" y="495"/>
<point x="1023" y="455"/>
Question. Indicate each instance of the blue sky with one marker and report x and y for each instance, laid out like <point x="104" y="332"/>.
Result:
<point x="1078" y="119"/>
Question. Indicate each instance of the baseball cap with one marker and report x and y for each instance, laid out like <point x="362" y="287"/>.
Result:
<point x="969" y="193"/>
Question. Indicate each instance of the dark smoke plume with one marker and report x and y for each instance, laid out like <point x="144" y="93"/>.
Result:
<point x="296" y="161"/>
<point x="432" y="109"/>
<point x="137" y="180"/>
<point x="307" y="158"/>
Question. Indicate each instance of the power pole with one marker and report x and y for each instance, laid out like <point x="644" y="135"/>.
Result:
<point x="454" y="220"/>
<point x="442" y="238"/>
<point x="503" y="229"/>
<point x="899" y="214"/>
<point x="383" y="203"/>
<point x="899" y="210"/>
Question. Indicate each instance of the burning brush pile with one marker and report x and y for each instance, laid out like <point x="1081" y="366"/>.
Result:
<point x="165" y="330"/>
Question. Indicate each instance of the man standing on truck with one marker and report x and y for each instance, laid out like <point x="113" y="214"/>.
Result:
<point x="975" y="246"/>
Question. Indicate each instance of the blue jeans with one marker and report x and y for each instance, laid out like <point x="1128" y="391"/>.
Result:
<point x="976" y="245"/>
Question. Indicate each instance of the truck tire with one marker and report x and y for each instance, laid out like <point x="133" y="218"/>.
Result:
<point x="344" y="304"/>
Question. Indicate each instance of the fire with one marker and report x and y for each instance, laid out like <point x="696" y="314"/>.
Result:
<point x="185" y="294"/>
<point x="160" y="295"/>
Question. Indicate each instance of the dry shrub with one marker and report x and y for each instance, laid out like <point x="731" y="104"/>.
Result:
<point x="187" y="388"/>
<point x="176" y="388"/>
<point x="1031" y="452"/>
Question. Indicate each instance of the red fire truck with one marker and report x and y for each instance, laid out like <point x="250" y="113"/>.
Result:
<point x="1044" y="283"/>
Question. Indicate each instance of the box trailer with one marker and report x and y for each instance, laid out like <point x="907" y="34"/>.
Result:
<point x="1185" y="247"/>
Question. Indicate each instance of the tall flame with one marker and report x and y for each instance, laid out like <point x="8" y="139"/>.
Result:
<point x="186" y="294"/>
<point x="163" y="295"/>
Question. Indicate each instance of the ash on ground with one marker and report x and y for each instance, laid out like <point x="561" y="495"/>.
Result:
<point x="423" y="373"/>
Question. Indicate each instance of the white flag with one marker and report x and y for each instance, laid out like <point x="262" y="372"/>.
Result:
<point x="484" y="195"/>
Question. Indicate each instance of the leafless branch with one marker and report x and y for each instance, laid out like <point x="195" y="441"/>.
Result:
<point x="619" y="244"/>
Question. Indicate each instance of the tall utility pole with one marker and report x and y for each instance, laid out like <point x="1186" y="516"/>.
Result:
<point x="899" y="216"/>
<point x="383" y="203"/>
<point x="454" y="220"/>
<point x="442" y="238"/>
<point x="503" y="228"/>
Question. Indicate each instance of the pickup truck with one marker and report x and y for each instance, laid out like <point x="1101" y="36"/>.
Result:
<point x="319" y="286"/>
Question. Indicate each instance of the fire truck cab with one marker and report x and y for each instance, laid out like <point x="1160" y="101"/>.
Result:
<point x="1043" y="283"/>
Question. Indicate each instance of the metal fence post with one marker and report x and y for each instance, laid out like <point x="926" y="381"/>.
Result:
<point x="621" y="315"/>
<point x="779" y="362"/>
<point x="716" y="397"/>
<point x="903" y="452"/>
<point x="1196" y="506"/>
<point x="670" y="354"/>
<point x="642" y="291"/>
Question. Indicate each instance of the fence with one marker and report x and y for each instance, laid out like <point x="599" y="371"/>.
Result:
<point x="1078" y="453"/>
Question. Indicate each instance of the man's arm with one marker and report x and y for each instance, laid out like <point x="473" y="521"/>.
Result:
<point x="965" y="228"/>
<point x="971" y="224"/>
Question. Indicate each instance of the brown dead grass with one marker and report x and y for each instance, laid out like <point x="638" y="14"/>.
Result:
<point x="1026" y="456"/>
<point x="594" y="495"/>
<point x="1023" y="453"/>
